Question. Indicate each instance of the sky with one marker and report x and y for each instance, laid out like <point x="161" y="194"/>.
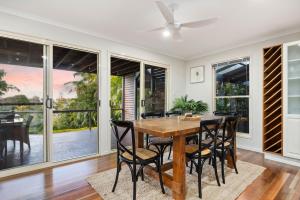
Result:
<point x="29" y="80"/>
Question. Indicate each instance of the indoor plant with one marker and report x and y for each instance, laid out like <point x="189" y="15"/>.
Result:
<point x="185" y="105"/>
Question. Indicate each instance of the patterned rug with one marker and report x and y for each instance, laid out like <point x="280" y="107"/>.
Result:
<point x="150" y="188"/>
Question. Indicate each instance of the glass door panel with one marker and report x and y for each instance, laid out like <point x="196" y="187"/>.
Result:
<point x="75" y="98"/>
<point x="21" y="103"/>
<point x="155" y="89"/>
<point x="294" y="79"/>
<point x="123" y="92"/>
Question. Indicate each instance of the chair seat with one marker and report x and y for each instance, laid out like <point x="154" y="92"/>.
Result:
<point x="193" y="148"/>
<point x="142" y="153"/>
<point x="159" y="141"/>
<point x="226" y="144"/>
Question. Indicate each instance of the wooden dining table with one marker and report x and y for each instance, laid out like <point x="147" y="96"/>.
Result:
<point x="178" y="129"/>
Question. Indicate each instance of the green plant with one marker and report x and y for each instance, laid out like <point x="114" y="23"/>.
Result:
<point x="185" y="105"/>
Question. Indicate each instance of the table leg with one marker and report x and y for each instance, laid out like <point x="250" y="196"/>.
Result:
<point x="140" y="139"/>
<point x="179" y="183"/>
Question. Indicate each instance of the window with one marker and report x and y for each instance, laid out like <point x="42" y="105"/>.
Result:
<point x="232" y="90"/>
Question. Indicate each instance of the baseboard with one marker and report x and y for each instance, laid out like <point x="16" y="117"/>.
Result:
<point x="285" y="160"/>
<point x="249" y="148"/>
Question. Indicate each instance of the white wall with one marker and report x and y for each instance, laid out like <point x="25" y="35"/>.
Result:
<point x="14" y="24"/>
<point x="203" y="91"/>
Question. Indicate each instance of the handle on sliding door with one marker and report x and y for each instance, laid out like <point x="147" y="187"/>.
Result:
<point x="49" y="102"/>
<point x="143" y="103"/>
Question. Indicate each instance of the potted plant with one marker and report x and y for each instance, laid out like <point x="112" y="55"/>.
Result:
<point x="185" y="105"/>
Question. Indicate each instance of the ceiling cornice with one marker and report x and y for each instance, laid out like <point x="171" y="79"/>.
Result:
<point x="36" y="18"/>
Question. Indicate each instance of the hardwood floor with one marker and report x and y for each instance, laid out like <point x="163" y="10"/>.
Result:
<point x="278" y="181"/>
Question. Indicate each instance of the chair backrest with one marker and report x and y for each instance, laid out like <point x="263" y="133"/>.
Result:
<point x="121" y="129"/>
<point x="230" y="128"/>
<point x="152" y="115"/>
<point x="210" y="128"/>
<point x="28" y="121"/>
<point x="173" y="113"/>
<point x="219" y="113"/>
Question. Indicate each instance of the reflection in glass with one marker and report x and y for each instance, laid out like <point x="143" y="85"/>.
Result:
<point x="155" y="78"/>
<point x="232" y="78"/>
<point x="294" y="79"/>
<point x="235" y="105"/>
<point x="21" y="103"/>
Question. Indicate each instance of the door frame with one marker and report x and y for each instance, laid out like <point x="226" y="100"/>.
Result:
<point x="142" y="62"/>
<point x="47" y="78"/>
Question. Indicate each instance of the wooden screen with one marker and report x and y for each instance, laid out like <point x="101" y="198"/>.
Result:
<point x="272" y="97"/>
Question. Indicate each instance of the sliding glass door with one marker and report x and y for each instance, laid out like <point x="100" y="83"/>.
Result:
<point x="75" y="99"/>
<point x="22" y="119"/>
<point x="48" y="103"/>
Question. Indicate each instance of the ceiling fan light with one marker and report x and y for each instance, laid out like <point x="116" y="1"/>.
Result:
<point x="166" y="33"/>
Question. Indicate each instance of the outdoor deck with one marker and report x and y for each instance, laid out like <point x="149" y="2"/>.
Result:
<point x="66" y="145"/>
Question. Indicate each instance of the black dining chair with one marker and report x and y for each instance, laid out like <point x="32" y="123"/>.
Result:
<point x="173" y="113"/>
<point x="226" y="142"/>
<point x="133" y="156"/>
<point x="160" y="144"/>
<point x="199" y="153"/>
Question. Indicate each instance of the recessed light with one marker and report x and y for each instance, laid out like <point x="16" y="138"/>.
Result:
<point x="166" y="33"/>
<point x="299" y="44"/>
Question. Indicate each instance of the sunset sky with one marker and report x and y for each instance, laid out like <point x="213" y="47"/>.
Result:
<point x="29" y="80"/>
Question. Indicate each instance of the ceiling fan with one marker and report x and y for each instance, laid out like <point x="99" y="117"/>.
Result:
<point x="173" y="27"/>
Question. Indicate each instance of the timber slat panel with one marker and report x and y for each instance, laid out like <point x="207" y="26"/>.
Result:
<point x="272" y="99"/>
<point x="271" y="66"/>
<point x="270" y="106"/>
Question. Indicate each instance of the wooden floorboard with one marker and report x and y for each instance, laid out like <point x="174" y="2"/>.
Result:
<point x="277" y="182"/>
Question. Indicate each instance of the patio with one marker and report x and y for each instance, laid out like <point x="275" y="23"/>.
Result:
<point x="66" y="145"/>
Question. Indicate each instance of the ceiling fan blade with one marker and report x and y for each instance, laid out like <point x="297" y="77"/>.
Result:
<point x="156" y="29"/>
<point x="166" y="12"/>
<point x="177" y="36"/>
<point x="199" y="23"/>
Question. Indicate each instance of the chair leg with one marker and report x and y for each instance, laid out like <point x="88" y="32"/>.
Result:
<point x="233" y="160"/>
<point x="200" y="166"/>
<point x="160" y="176"/>
<point x="134" y="188"/>
<point x="215" y="169"/>
<point x="28" y="141"/>
<point x="222" y="166"/>
<point x="142" y="173"/>
<point x="117" y="176"/>
<point x="147" y="141"/>
<point x="161" y="158"/>
<point x="170" y="152"/>
<point x="134" y="179"/>
<point x="191" y="168"/>
<point x="5" y="150"/>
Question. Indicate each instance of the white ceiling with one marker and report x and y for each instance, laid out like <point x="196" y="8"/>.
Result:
<point x="240" y="21"/>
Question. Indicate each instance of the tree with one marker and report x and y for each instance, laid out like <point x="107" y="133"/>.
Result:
<point x="86" y="91"/>
<point x="116" y="96"/>
<point x="4" y="86"/>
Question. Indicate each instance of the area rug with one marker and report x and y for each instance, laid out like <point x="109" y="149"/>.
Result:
<point x="150" y="188"/>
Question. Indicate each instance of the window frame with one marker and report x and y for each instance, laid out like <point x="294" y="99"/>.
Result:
<point x="215" y="97"/>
